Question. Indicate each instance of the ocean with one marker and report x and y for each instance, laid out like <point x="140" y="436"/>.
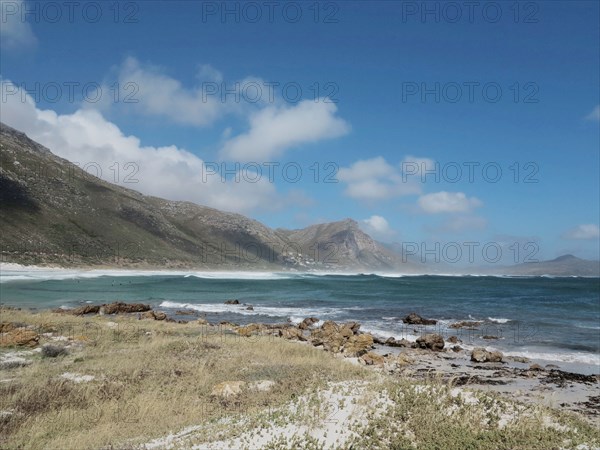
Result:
<point x="543" y="318"/>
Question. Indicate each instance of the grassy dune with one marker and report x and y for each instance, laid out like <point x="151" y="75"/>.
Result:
<point x="152" y="379"/>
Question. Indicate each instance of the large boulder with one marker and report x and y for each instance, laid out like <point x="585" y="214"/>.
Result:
<point x="307" y="323"/>
<point x="120" y="307"/>
<point x="481" y="355"/>
<point x="82" y="310"/>
<point x="415" y="319"/>
<point x="431" y="341"/>
<point x="358" y="345"/>
<point x="333" y="343"/>
<point x="232" y="302"/>
<point x="250" y="329"/>
<point x="392" y="342"/>
<point x="153" y="315"/>
<point x="19" y="337"/>
<point x="373" y="359"/>
<point x="292" y="333"/>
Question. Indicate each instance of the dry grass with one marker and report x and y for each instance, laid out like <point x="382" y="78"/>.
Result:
<point x="155" y="378"/>
<point x="151" y="378"/>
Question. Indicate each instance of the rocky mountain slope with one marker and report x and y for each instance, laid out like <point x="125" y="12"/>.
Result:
<point x="54" y="212"/>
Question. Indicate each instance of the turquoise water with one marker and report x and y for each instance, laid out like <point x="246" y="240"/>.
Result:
<point x="548" y="318"/>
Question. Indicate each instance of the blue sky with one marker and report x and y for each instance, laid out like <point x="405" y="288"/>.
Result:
<point x="362" y="68"/>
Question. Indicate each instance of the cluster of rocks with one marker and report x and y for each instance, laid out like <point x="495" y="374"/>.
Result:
<point x="144" y="311"/>
<point x="331" y="336"/>
<point x="111" y="308"/>
<point x="237" y="302"/>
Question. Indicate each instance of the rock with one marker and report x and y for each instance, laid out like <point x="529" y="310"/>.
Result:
<point x="292" y="333"/>
<point x="228" y="389"/>
<point x="353" y="326"/>
<point x="346" y="332"/>
<point x="415" y="319"/>
<point x="249" y="330"/>
<point x="404" y="359"/>
<point x="5" y="327"/>
<point x="466" y="324"/>
<point x="250" y="308"/>
<point x="482" y="355"/>
<point x="120" y="307"/>
<point x="489" y="337"/>
<point x="358" y="345"/>
<point x="392" y="342"/>
<point x="232" y="302"/>
<point x="82" y="310"/>
<point x="536" y="367"/>
<point x="454" y="340"/>
<point x="185" y="312"/>
<point x="307" y="323"/>
<point x="431" y="341"/>
<point x="333" y="343"/>
<point x="521" y="359"/>
<point x="378" y="340"/>
<point x="159" y="315"/>
<point x="19" y="337"/>
<point x="53" y="350"/>
<point x="328" y="333"/>
<point x="330" y="327"/>
<point x="456" y="348"/>
<point x="153" y="315"/>
<point x="373" y="359"/>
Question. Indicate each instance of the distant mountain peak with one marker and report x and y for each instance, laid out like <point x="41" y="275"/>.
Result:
<point x="567" y="257"/>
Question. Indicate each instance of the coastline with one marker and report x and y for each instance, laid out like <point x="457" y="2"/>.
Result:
<point x="569" y="361"/>
<point x="93" y="341"/>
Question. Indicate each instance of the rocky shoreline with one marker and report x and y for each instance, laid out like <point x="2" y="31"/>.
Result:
<point x="429" y="356"/>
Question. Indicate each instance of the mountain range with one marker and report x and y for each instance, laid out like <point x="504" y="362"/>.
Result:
<point x="55" y="213"/>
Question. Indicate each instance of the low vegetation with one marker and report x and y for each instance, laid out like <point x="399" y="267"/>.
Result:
<point x="119" y="382"/>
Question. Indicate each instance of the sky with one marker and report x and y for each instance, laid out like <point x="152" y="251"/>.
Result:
<point x="429" y="123"/>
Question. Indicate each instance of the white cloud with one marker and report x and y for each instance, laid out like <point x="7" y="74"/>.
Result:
<point x="594" y="115"/>
<point x="170" y="172"/>
<point x="378" y="227"/>
<point x="415" y="166"/>
<point x="584" y="231"/>
<point x="206" y="72"/>
<point x="275" y="129"/>
<point x="157" y="94"/>
<point x="15" y="32"/>
<point x="375" y="179"/>
<point x="447" y="202"/>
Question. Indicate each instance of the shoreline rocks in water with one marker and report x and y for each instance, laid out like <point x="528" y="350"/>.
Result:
<point x="111" y="308"/>
<point x="415" y="319"/>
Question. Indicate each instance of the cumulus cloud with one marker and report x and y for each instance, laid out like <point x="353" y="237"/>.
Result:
<point x="15" y="32"/>
<point x="418" y="167"/>
<point x="447" y="202"/>
<point x="584" y="231"/>
<point x="154" y="93"/>
<point x="376" y="179"/>
<point x="378" y="227"/>
<point x="171" y="172"/>
<point x="275" y="129"/>
<point x="594" y="115"/>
